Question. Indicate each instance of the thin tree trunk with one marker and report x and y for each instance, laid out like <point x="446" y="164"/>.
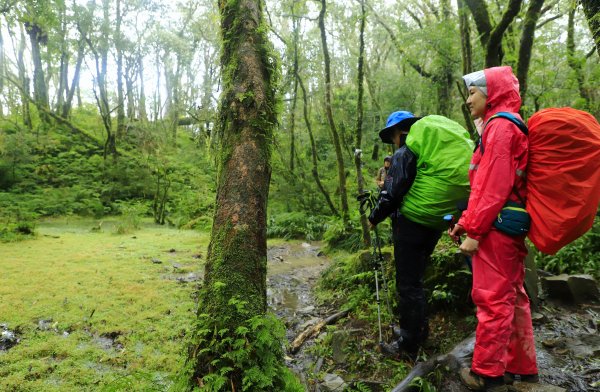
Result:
<point x="591" y="8"/>
<point x="296" y="33"/>
<point x="313" y="149"/>
<point x="574" y="61"/>
<point x="531" y="18"/>
<point x="360" y="180"/>
<point x="142" y="98"/>
<point x="236" y="263"/>
<point x="120" y="98"/>
<point x="465" y="38"/>
<point x="329" y="113"/>
<point x="25" y="81"/>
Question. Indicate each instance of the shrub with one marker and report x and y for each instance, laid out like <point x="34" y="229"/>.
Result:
<point x="296" y="225"/>
<point x="580" y="256"/>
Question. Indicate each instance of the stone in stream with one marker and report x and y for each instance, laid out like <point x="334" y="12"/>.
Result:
<point x="333" y="382"/>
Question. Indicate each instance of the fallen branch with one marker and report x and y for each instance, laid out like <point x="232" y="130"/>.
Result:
<point x="315" y="330"/>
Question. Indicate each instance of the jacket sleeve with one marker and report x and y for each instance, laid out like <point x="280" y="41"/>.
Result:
<point x="400" y="177"/>
<point x="495" y="178"/>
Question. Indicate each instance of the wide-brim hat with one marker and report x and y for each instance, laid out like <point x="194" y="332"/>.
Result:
<point x="402" y="119"/>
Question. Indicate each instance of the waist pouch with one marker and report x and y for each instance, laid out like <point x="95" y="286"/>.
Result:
<point x="513" y="219"/>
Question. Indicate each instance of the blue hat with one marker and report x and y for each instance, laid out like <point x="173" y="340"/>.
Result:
<point x="401" y="118"/>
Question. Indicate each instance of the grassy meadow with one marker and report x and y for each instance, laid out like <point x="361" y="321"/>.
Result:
<point x="95" y="310"/>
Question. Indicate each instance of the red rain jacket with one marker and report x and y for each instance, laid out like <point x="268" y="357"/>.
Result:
<point x="496" y="175"/>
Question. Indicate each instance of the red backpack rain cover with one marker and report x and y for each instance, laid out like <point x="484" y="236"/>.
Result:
<point x="563" y="176"/>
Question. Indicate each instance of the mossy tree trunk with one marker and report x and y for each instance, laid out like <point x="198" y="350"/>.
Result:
<point x="359" y="121"/>
<point x="236" y="264"/>
<point x="329" y="113"/>
<point x="591" y="8"/>
<point x="529" y="25"/>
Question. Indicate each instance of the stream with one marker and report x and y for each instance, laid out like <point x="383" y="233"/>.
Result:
<point x="293" y="271"/>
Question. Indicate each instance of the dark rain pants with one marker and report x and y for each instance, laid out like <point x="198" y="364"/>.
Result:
<point x="413" y="245"/>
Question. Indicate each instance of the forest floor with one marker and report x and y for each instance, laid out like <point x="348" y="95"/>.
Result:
<point x="84" y="308"/>
<point x="345" y="356"/>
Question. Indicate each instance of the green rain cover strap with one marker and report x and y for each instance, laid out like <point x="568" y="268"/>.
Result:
<point x="443" y="149"/>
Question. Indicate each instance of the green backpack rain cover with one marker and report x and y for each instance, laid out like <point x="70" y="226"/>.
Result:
<point x="443" y="150"/>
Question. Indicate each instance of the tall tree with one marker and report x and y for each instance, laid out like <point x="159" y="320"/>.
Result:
<point x="329" y="114"/>
<point x="491" y="36"/>
<point x="235" y="288"/>
<point x="529" y="26"/>
<point x="360" y="180"/>
<point x="591" y="8"/>
<point x="575" y="61"/>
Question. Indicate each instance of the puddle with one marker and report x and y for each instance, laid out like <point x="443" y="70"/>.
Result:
<point x="8" y="338"/>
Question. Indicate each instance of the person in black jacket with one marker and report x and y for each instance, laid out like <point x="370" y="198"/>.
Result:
<point x="413" y="242"/>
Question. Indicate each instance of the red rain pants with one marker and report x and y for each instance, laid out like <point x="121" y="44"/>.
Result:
<point x="504" y="338"/>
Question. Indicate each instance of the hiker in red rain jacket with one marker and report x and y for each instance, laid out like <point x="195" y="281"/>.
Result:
<point x="504" y="345"/>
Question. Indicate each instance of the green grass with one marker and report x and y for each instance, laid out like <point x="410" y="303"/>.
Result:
<point x="92" y="285"/>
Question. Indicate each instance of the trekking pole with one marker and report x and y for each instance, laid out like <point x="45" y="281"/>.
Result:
<point x="380" y="260"/>
<point x="450" y="220"/>
<point x="367" y="199"/>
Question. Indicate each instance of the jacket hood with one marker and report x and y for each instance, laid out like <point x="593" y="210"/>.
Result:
<point x="503" y="91"/>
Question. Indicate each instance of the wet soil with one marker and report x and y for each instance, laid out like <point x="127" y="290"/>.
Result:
<point x="293" y="271"/>
<point x="567" y="336"/>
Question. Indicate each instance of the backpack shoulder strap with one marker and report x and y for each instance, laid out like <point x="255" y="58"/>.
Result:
<point x="510" y="117"/>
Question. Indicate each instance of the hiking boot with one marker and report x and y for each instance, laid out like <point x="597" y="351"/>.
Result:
<point x="398" y="347"/>
<point x="476" y="382"/>
<point x="510" y="378"/>
<point x="471" y="380"/>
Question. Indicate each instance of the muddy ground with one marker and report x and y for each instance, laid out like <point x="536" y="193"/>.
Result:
<point x="567" y="336"/>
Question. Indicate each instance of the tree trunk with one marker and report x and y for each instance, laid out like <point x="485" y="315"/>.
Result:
<point x="142" y="98"/>
<point x="37" y="37"/>
<point x="236" y="263"/>
<point x="120" y="98"/>
<point x="531" y="18"/>
<point x="66" y="110"/>
<point x="296" y="32"/>
<point x="574" y="61"/>
<point x="360" y="180"/>
<point x="491" y="37"/>
<point x="591" y="8"/>
<point x="63" y="81"/>
<point x="329" y="113"/>
<point x="313" y="149"/>
<point x="25" y="81"/>
<point x="465" y="38"/>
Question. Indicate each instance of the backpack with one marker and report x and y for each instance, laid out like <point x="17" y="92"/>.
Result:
<point x="563" y="175"/>
<point x="443" y="150"/>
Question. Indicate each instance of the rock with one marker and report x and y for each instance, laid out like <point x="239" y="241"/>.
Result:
<point x="583" y="288"/>
<point x="538" y="318"/>
<point x="571" y="288"/>
<point x="156" y="261"/>
<point x="339" y="342"/>
<point x="529" y="387"/>
<point x="557" y="287"/>
<point x="8" y="339"/>
<point x="45" y="325"/>
<point x="333" y="382"/>
<point x="584" y="346"/>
